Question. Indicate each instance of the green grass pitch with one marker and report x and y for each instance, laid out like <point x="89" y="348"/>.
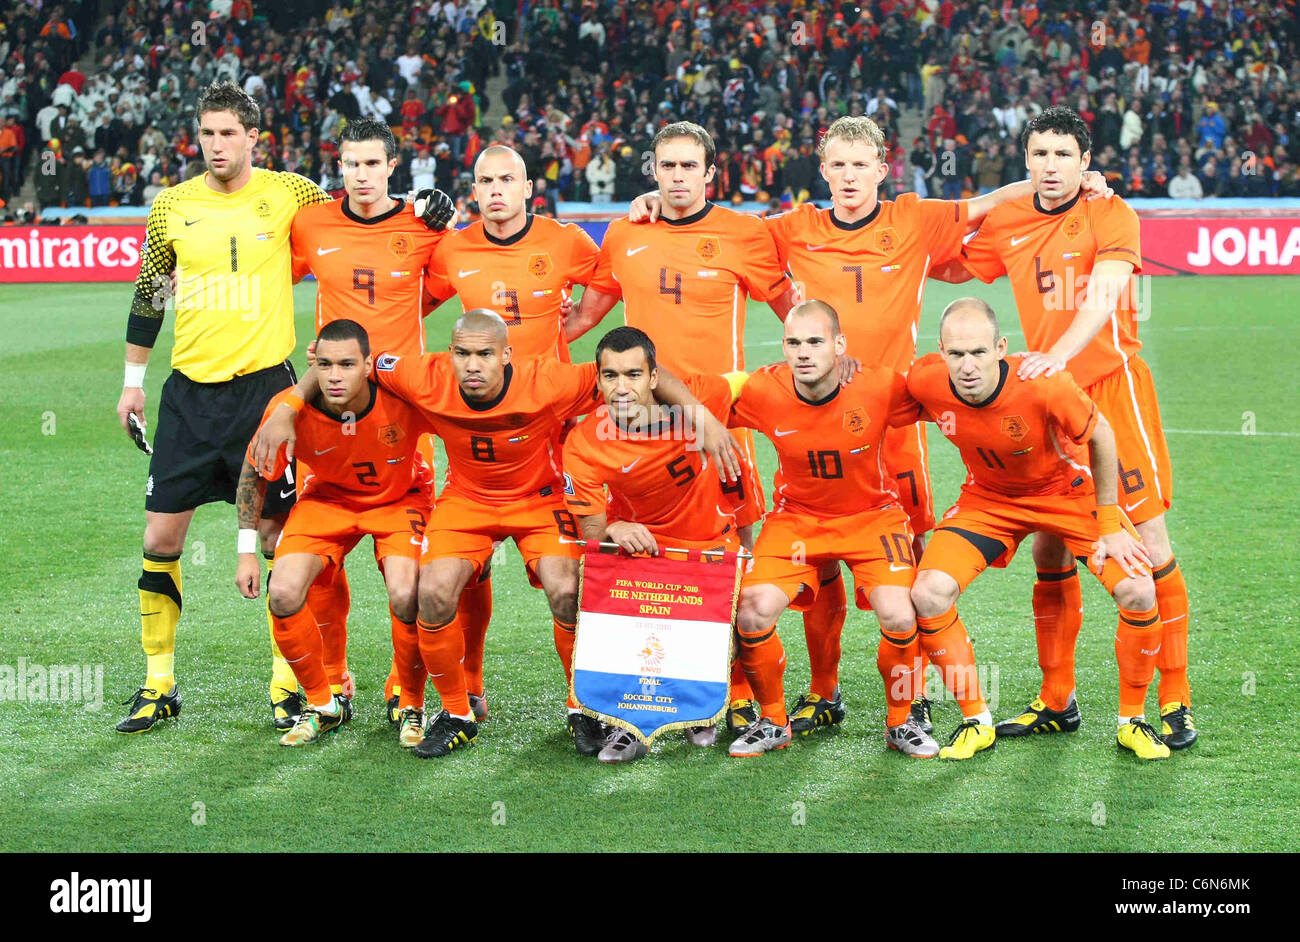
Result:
<point x="1224" y="356"/>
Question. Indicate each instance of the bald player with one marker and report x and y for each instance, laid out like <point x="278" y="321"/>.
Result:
<point x="1040" y="457"/>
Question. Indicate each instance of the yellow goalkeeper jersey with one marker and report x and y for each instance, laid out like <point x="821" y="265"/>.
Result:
<point x="234" y="299"/>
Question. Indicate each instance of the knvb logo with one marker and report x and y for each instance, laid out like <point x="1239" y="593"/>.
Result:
<point x="76" y="895"/>
<point x="59" y="683"/>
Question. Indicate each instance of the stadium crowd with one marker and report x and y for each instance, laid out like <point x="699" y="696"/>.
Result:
<point x="1188" y="99"/>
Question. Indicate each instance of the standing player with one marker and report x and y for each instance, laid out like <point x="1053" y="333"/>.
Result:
<point x="500" y="422"/>
<point x="659" y="491"/>
<point x="365" y="479"/>
<point x="833" y="501"/>
<point x="687" y="277"/>
<point x="225" y="235"/>
<point x="371" y="256"/>
<point x="1071" y="265"/>
<point x="868" y="259"/>
<point x="523" y="267"/>
<point x="520" y="265"/>
<point x="1021" y="441"/>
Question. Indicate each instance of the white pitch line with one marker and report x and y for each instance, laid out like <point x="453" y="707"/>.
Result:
<point x="1203" y="431"/>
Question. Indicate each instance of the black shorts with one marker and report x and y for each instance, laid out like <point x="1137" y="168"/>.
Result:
<point x="202" y="438"/>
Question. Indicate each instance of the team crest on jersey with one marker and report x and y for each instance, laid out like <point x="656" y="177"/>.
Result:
<point x="262" y="207"/>
<point x="386" y="362"/>
<point x="1073" y="226"/>
<point x="540" y="265"/>
<point x="708" y="248"/>
<point x="390" y="435"/>
<point x="1014" y="427"/>
<point x="400" y="244"/>
<point x="856" y="421"/>
<point x="887" y="239"/>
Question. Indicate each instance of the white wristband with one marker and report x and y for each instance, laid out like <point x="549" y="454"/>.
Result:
<point x="247" y="541"/>
<point x="134" y="375"/>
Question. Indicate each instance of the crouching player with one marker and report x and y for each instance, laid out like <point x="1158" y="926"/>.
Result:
<point x="365" y="479"/>
<point x="833" y="500"/>
<point x="661" y="494"/>
<point x="1021" y="441"/>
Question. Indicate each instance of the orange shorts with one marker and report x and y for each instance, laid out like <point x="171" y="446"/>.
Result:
<point x="465" y="528"/>
<point x="331" y="531"/>
<point x="745" y="498"/>
<point x="1127" y="398"/>
<point x="793" y="549"/>
<point x="978" y="532"/>
<point x="907" y="464"/>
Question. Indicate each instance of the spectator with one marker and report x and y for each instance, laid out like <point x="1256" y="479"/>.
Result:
<point x="543" y="202"/>
<point x="423" y="169"/>
<point x="1211" y="129"/>
<point x="988" y="169"/>
<point x="99" y="180"/>
<point x="1185" y="186"/>
<point x="923" y="167"/>
<point x="600" y="174"/>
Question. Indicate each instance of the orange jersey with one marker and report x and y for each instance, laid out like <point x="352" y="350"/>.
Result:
<point x="653" y="478"/>
<point x="368" y="461"/>
<point x="872" y="271"/>
<point x="373" y="271"/>
<point x="523" y="278"/>
<point x="829" y="452"/>
<point x="685" y="282"/>
<point x="504" y="450"/>
<point x="1049" y="255"/>
<point x="1024" y="440"/>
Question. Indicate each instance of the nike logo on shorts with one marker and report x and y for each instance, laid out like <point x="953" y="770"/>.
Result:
<point x="627" y="468"/>
<point x="337" y="248"/>
<point x="1129" y="508"/>
<point x="466" y="274"/>
<point x="325" y="450"/>
<point x="780" y="434"/>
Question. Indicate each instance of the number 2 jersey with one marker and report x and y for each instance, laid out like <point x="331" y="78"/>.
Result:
<point x="362" y="461"/>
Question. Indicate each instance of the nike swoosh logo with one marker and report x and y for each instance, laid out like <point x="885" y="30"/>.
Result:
<point x="416" y="541"/>
<point x="326" y="450"/>
<point x="627" y="468"/>
<point x="284" y="494"/>
<point x="1129" y="508"/>
<point x="1015" y="241"/>
<point x="631" y="252"/>
<point x="780" y="434"/>
<point x="396" y="460"/>
<point x="813" y="248"/>
<point x="893" y="568"/>
<point x="337" y="248"/>
<point x="190" y="222"/>
<point x="466" y="274"/>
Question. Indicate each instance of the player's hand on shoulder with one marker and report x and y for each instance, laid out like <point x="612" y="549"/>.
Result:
<point x="633" y="537"/>
<point x="848" y="367"/>
<point x="248" y="576"/>
<point x="645" y="208"/>
<point x="277" y="430"/>
<point x="712" y="437"/>
<point x="1039" y="364"/>
<point x="1125" y="549"/>
<point x="131" y="403"/>
<point x="311" y="354"/>
<point x="1093" y="186"/>
<point x="434" y="208"/>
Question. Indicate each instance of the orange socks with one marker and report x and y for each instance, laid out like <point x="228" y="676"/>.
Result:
<point x="410" y="666"/>
<point x="441" y="648"/>
<point x="822" y="626"/>
<point x="299" y="639"/>
<point x="740" y="689"/>
<point x="944" y="638"/>
<point x="564" y="637"/>
<point x="1137" y="644"/>
<point x="1171" y="600"/>
<point x="762" y="657"/>
<point x="1058" y="616"/>
<point x="899" y="661"/>
<point x="474" y="613"/>
<point x="329" y="603"/>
